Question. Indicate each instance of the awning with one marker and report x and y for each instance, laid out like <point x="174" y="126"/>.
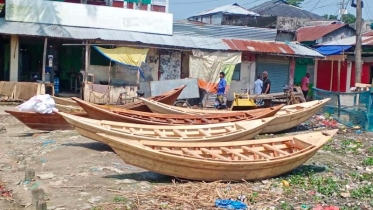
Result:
<point x="125" y="55"/>
<point x="332" y="49"/>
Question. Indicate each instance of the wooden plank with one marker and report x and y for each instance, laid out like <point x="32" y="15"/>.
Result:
<point x="189" y="121"/>
<point x="180" y="133"/>
<point x="267" y="157"/>
<point x="159" y="133"/>
<point x="187" y="151"/>
<point x="235" y="153"/>
<point x="214" y="154"/>
<point x="267" y="146"/>
<point x="223" y="119"/>
<point x="204" y="132"/>
<point x="134" y="131"/>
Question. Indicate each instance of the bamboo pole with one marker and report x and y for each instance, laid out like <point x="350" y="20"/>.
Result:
<point x="331" y="76"/>
<point x="44" y="59"/>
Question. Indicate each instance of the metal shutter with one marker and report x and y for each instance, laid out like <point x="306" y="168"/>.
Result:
<point x="278" y="73"/>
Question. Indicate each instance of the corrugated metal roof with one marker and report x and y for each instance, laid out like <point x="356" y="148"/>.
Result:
<point x="224" y="31"/>
<point x="313" y="33"/>
<point x="280" y="8"/>
<point x="69" y="32"/>
<point x="233" y="9"/>
<point x="280" y="48"/>
<point x="366" y="41"/>
<point x="176" y="41"/>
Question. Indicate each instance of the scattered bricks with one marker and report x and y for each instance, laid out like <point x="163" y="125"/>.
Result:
<point x="29" y="174"/>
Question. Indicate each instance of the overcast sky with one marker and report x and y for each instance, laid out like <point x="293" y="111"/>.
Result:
<point x="185" y="8"/>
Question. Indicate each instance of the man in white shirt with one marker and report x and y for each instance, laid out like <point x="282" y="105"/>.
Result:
<point x="258" y="85"/>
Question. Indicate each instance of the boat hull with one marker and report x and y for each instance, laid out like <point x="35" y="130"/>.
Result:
<point x="133" y="131"/>
<point x="285" y="121"/>
<point x="44" y="122"/>
<point x="136" y="154"/>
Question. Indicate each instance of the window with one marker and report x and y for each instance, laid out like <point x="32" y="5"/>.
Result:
<point x="237" y="72"/>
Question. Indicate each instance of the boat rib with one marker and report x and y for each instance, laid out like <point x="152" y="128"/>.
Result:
<point x="227" y="161"/>
<point x="210" y="132"/>
<point x="123" y="115"/>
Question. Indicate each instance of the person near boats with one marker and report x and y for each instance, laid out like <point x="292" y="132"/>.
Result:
<point x="304" y="85"/>
<point x="258" y="86"/>
<point x="221" y="90"/>
<point x="266" y="89"/>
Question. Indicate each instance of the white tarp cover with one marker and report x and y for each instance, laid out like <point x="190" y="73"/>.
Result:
<point x="43" y="104"/>
<point x="206" y="66"/>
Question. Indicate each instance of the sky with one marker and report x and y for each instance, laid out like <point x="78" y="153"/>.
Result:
<point x="185" y="8"/>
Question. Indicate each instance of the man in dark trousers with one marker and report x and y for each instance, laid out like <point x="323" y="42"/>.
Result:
<point x="266" y="88"/>
<point x="221" y="91"/>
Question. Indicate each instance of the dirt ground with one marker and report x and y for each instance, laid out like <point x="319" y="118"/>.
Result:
<point x="79" y="173"/>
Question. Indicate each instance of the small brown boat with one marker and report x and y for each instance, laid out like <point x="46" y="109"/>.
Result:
<point x="166" y="98"/>
<point x="45" y="122"/>
<point x="226" y="161"/>
<point x="188" y="133"/>
<point x="130" y="116"/>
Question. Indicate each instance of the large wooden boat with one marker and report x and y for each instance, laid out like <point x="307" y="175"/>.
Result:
<point x="211" y="132"/>
<point x="293" y="115"/>
<point x="45" y="122"/>
<point x="123" y="115"/>
<point x="227" y="161"/>
<point x="288" y="117"/>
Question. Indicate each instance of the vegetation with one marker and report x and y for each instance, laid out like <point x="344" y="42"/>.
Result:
<point x="347" y="18"/>
<point x="296" y="3"/>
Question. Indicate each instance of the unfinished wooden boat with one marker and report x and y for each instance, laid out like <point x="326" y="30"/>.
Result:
<point x="211" y="132"/>
<point x="64" y="101"/>
<point x="293" y="115"/>
<point x="166" y="98"/>
<point x="288" y="117"/>
<point x="45" y="122"/>
<point x="227" y="161"/>
<point x="122" y="115"/>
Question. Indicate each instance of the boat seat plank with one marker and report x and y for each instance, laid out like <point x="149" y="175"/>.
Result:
<point x="187" y="151"/>
<point x="204" y="132"/>
<point x="205" y="120"/>
<point x="265" y="156"/>
<point x="180" y="133"/>
<point x="214" y="154"/>
<point x="134" y="131"/>
<point x="235" y="153"/>
<point x="189" y="121"/>
<point x="267" y="146"/>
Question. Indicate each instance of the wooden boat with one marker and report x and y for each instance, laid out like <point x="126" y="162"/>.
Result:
<point x="293" y="115"/>
<point x="227" y="161"/>
<point x="288" y="117"/>
<point x="45" y="122"/>
<point x="123" y="115"/>
<point x="67" y="108"/>
<point x="166" y="98"/>
<point x="64" y="101"/>
<point x="211" y="132"/>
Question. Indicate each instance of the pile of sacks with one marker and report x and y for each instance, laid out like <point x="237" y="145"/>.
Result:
<point x="43" y="104"/>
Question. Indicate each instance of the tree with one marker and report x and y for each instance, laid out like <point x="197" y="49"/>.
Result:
<point x="330" y="17"/>
<point x="296" y="3"/>
<point x="348" y="18"/>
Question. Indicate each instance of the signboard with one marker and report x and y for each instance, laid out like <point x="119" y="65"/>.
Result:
<point x="84" y="15"/>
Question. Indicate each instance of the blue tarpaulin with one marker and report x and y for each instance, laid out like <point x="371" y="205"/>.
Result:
<point x="332" y="49"/>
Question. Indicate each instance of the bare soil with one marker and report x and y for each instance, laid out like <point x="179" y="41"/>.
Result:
<point x="79" y="173"/>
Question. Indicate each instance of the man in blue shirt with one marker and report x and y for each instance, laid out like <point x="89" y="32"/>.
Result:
<point x="221" y="91"/>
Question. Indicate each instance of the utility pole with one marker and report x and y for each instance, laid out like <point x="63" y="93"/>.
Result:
<point x="358" y="61"/>
<point x="342" y="10"/>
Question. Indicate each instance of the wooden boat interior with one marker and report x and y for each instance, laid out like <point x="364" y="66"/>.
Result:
<point x="177" y="131"/>
<point x="251" y="150"/>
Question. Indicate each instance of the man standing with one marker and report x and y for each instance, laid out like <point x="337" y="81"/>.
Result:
<point x="266" y="83"/>
<point x="304" y="85"/>
<point x="258" y="86"/>
<point x="221" y="91"/>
